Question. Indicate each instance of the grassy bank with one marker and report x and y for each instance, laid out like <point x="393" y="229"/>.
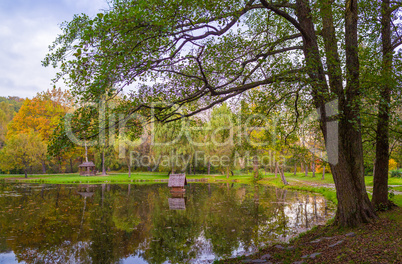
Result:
<point x="301" y="182"/>
<point x="377" y="242"/>
<point x="137" y="177"/>
<point x="325" y="187"/>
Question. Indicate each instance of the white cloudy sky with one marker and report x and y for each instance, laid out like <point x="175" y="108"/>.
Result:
<point x="27" y="28"/>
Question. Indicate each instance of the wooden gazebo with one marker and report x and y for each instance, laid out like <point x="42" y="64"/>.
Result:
<point x="177" y="182"/>
<point x="87" y="169"/>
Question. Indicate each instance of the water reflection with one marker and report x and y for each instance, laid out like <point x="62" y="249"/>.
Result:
<point x="146" y="224"/>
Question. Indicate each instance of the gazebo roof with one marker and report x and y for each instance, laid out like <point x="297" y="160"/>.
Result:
<point x="177" y="204"/>
<point x="86" y="194"/>
<point x="177" y="180"/>
<point x="87" y="164"/>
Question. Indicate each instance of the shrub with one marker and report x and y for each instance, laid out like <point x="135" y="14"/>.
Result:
<point x="392" y="164"/>
<point x="396" y="173"/>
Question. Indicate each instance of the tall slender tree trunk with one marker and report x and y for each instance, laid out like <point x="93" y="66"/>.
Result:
<point x="26" y="173"/>
<point x="380" y="186"/>
<point x="103" y="163"/>
<point x="255" y="167"/>
<point x="295" y="170"/>
<point x="283" y="176"/>
<point x="276" y="169"/>
<point x="59" y="163"/>
<point x="43" y="167"/>
<point x="86" y="152"/>
<point x="306" y="170"/>
<point x="313" y="168"/>
<point x="71" y="165"/>
<point x="129" y="170"/>
<point x="373" y="168"/>
<point x="323" y="172"/>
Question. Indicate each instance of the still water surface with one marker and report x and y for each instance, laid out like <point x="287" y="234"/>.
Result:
<point x="145" y="224"/>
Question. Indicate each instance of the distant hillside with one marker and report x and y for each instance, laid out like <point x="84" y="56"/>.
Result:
<point x="13" y="102"/>
<point x="9" y="106"/>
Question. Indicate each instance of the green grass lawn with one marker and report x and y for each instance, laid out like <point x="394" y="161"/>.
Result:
<point x="299" y="182"/>
<point x="391" y="181"/>
<point x="309" y="183"/>
<point x="115" y="178"/>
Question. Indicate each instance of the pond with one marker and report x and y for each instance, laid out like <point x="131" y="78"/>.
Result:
<point x="109" y="223"/>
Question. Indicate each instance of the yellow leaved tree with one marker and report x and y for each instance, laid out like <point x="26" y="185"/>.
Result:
<point x="22" y="152"/>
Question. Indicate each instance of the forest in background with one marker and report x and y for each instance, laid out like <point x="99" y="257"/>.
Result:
<point x="192" y="145"/>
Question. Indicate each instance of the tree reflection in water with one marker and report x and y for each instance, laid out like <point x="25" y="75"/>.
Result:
<point x="110" y="223"/>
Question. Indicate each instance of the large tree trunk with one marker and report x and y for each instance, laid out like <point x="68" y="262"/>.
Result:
<point x="209" y="167"/>
<point x="344" y="148"/>
<point x="26" y="173"/>
<point x="354" y="206"/>
<point x="380" y="187"/>
<point x="295" y="171"/>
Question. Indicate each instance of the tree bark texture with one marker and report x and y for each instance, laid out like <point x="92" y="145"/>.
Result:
<point x="345" y="147"/>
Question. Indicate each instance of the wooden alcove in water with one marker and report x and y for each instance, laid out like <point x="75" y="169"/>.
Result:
<point x="177" y="182"/>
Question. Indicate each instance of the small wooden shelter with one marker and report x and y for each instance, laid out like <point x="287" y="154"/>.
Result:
<point x="87" y="169"/>
<point x="177" y="203"/>
<point x="177" y="182"/>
